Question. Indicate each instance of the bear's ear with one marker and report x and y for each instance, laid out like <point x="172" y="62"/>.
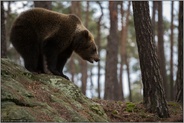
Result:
<point x="85" y="33"/>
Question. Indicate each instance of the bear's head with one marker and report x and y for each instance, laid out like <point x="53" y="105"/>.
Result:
<point x="85" y="46"/>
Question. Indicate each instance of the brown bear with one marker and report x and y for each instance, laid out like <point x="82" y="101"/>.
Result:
<point x="39" y="34"/>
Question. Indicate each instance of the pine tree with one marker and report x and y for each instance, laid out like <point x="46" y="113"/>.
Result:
<point x="153" y="94"/>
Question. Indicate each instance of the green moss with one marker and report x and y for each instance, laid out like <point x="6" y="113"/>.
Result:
<point x="115" y="112"/>
<point x="56" y="81"/>
<point x="97" y="109"/>
<point x="174" y="107"/>
<point x="59" y="119"/>
<point x="174" y="104"/>
<point x="97" y="118"/>
<point x="27" y="74"/>
<point x="120" y="102"/>
<point x="13" y="112"/>
<point x="130" y="107"/>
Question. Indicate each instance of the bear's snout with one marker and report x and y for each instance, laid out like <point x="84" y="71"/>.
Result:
<point x="96" y="59"/>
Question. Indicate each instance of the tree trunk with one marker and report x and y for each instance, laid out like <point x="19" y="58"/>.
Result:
<point x="99" y="46"/>
<point x="179" y="80"/>
<point x="74" y="9"/>
<point x="126" y="55"/>
<point x="171" y="53"/>
<point x="83" y="62"/>
<point x="43" y="4"/>
<point x="128" y="76"/>
<point x="84" y="76"/>
<point x="72" y="67"/>
<point x="153" y="18"/>
<point x="111" y="81"/>
<point x="122" y="49"/>
<point x="3" y="33"/>
<point x="124" y="34"/>
<point x="161" y="55"/>
<point x="121" y="93"/>
<point x="91" y="83"/>
<point x="153" y="94"/>
<point x="11" y="52"/>
<point x="71" y="62"/>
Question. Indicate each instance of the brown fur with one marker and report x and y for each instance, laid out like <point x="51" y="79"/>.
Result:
<point x="39" y="33"/>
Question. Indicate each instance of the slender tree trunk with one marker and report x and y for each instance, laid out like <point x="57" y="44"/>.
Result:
<point x="8" y="16"/>
<point x="126" y="54"/>
<point x="43" y="4"/>
<point x="99" y="46"/>
<point x="83" y="62"/>
<point x="8" y="24"/>
<point x="121" y="92"/>
<point x="71" y="62"/>
<point x="122" y="48"/>
<point x="84" y="76"/>
<point x="74" y="9"/>
<point x="153" y="94"/>
<point x="3" y="33"/>
<point x="91" y="83"/>
<point x="161" y="54"/>
<point x="72" y="68"/>
<point x="179" y="80"/>
<point x="128" y="76"/>
<point x="171" y="53"/>
<point x="111" y="81"/>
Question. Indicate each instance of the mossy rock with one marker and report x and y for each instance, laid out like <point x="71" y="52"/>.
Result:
<point x="43" y="98"/>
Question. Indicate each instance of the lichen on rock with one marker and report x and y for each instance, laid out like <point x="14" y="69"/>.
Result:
<point x="34" y="97"/>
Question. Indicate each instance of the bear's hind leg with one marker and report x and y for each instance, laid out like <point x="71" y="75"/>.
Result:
<point x="31" y="63"/>
<point x="31" y="58"/>
<point x="41" y="65"/>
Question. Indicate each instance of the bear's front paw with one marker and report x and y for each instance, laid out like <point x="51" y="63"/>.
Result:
<point x="65" y="76"/>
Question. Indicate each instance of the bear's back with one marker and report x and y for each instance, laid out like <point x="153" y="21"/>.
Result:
<point x="44" y="22"/>
<point x="40" y="19"/>
<point x="35" y="15"/>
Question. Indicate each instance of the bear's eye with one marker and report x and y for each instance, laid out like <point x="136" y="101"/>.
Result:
<point x="87" y="47"/>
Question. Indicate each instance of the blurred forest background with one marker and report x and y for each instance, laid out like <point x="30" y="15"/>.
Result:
<point x="118" y="59"/>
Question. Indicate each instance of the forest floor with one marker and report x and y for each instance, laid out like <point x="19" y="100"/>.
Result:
<point x="119" y="111"/>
